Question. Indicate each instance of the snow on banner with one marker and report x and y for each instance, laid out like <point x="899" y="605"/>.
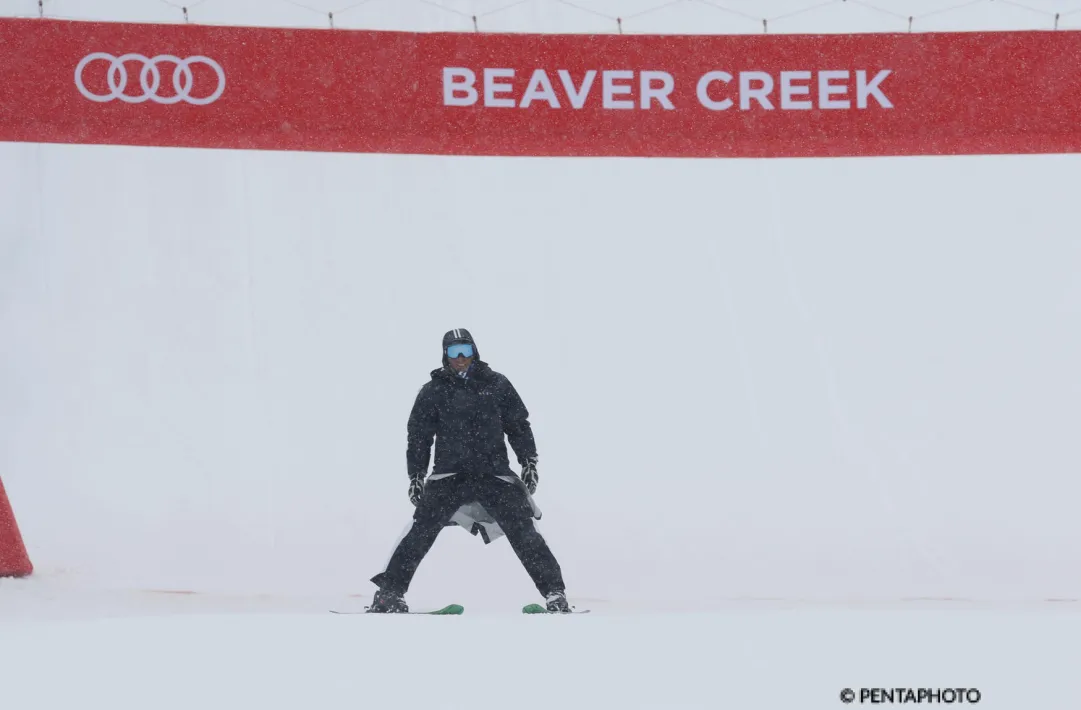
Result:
<point x="540" y="95"/>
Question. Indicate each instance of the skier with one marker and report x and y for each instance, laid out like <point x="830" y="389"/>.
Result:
<point x="468" y="408"/>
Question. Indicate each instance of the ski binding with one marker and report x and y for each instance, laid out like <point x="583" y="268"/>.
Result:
<point x="538" y="609"/>
<point x="449" y="610"/>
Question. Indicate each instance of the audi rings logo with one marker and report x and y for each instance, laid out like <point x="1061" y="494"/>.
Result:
<point x="150" y="79"/>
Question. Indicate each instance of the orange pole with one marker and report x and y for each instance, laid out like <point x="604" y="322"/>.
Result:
<point x="14" y="562"/>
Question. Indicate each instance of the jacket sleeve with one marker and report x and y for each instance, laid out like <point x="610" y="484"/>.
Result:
<point x="420" y="433"/>
<point x="516" y="424"/>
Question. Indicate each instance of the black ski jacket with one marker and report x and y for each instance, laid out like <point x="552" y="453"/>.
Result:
<point x="468" y="418"/>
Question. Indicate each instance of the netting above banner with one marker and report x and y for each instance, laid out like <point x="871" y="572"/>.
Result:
<point x="582" y="16"/>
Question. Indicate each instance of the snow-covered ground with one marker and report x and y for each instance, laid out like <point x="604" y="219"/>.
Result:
<point x="62" y="645"/>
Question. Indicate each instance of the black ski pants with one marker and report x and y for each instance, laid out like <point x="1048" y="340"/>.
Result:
<point x="506" y="502"/>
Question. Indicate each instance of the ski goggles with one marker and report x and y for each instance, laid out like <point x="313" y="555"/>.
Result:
<point x="460" y="350"/>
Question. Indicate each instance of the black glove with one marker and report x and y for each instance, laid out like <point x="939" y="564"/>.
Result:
<point x="529" y="474"/>
<point x="416" y="489"/>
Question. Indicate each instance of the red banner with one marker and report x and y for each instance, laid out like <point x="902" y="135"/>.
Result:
<point x="541" y="95"/>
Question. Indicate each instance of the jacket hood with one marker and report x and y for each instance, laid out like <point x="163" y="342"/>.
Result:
<point x="459" y="335"/>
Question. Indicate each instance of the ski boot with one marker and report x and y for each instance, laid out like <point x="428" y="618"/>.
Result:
<point x="388" y="602"/>
<point x="556" y="602"/>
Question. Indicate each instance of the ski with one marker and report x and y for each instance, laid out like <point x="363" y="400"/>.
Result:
<point x="538" y="609"/>
<point x="449" y="610"/>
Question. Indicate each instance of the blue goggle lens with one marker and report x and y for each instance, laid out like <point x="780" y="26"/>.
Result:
<point x="460" y="350"/>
